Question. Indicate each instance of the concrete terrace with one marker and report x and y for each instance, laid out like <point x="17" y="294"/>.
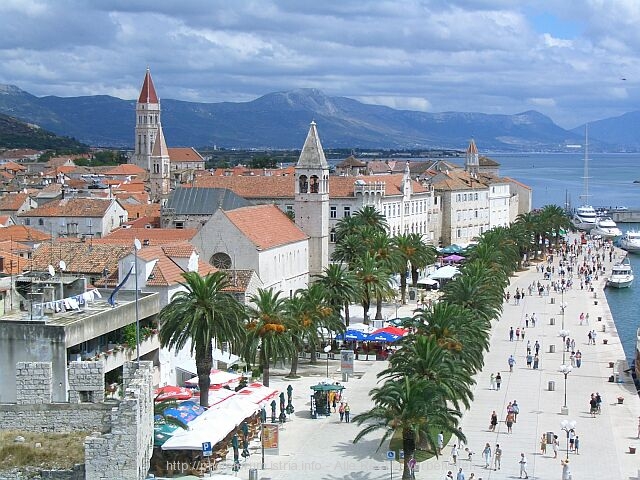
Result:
<point x="323" y="449"/>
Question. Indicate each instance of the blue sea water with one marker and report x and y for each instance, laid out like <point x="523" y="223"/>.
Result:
<point x="556" y="177"/>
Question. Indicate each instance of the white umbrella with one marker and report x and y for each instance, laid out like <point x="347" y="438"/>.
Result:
<point x="445" y="273"/>
<point x="218" y="377"/>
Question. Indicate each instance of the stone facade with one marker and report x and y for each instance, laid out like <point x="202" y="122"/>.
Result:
<point x="126" y="451"/>
<point x="56" y="417"/>
<point x="86" y="382"/>
<point x="33" y="383"/>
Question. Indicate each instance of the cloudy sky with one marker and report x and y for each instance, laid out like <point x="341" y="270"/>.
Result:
<point x="574" y="60"/>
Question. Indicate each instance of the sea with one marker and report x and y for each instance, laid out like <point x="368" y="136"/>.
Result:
<point x="559" y="179"/>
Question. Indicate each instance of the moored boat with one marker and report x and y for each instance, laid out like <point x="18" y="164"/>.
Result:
<point x="621" y="275"/>
<point x="606" y="228"/>
<point x="584" y="218"/>
<point x="630" y="241"/>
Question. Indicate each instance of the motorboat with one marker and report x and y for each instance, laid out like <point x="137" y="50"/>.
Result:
<point x="630" y="241"/>
<point x="621" y="275"/>
<point x="606" y="228"/>
<point x="584" y="218"/>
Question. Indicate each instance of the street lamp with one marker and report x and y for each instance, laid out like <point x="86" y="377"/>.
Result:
<point x="564" y="334"/>
<point x="327" y="349"/>
<point x="565" y="370"/>
<point x="567" y="426"/>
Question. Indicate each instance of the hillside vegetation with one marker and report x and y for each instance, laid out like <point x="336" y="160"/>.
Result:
<point x="17" y="134"/>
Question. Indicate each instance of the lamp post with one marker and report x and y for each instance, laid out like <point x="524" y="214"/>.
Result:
<point x="565" y="370"/>
<point x="563" y="334"/>
<point x="327" y="349"/>
<point x="567" y="426"/>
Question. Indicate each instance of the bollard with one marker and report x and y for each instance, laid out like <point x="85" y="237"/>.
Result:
<point x="552" y="348"/>
<point x="552" y="321"/>
<point x="253" y="474"/>
<point x="553" y="300"/>
<point x="552" y="386"/>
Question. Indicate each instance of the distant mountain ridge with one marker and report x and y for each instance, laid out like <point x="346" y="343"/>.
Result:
<point x="281" y="120"/>
<point x="17" y="134"/>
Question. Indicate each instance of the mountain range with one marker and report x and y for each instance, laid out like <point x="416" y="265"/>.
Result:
<point x="280" y="120"/>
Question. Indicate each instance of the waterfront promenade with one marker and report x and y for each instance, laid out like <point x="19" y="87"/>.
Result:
<point x="323" y="449"/>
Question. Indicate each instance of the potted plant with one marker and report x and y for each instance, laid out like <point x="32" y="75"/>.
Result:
<point x="620" y="400"/>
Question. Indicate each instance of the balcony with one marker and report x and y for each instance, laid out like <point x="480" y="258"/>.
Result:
<point x="116" y="356"/>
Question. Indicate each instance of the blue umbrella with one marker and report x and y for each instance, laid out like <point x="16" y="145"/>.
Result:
<point x="382" y="337"/>
<point x="351" y="335"/>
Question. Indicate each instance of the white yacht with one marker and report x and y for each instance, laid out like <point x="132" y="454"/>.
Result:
<point x="630" y="241"/>
<point x="606" y="228"/>
<point x="584" y="218"/>
<point x="621" y="275"/>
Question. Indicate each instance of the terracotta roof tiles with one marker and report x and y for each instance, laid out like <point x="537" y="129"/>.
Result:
<point x="148" y="91"/>
<point x="155" y="236"/>
<point x="125" y="169"/>
<point x="266" y="226"/>
<point x="22" y="233"/>
<point x="80" y="257"/>
<point x="184" y="154"/>
<point x="71" y="207"/>
<point x="13" y="201"/>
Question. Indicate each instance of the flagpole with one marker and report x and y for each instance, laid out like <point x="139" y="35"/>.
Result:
<point x="136" y="247"/>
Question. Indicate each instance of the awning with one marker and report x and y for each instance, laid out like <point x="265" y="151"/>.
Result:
<point x="258" y="394"/>
<point x="217" y="378"/>
<point x="444" y="273"/>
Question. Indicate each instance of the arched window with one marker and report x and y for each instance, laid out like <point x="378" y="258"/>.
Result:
<point x="304" y="184"/>
<point x="315" y="184"/>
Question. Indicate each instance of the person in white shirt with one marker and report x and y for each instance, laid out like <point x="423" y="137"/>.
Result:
<point x="523" y="466"/>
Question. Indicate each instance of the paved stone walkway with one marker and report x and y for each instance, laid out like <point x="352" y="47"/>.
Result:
<point x="323" y="448"/>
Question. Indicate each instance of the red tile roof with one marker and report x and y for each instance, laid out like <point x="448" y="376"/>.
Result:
<point x="13" y="201"/>
<point x="155" y="236"/>
<point x="266" y="226"/>
<point x="80" y="257"/>
<point x="12" y="167"/>
<point x="22" y="233"/>
<point x="126" y="169"/>
<point x="71" y="207"/>
<point x="148" y="91"/>
<point x="184" y="155"/>
<point x="135" y="211"/>
<point x="12" y="264"/>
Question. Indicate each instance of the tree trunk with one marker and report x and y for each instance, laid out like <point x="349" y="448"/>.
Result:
<point x="414" y="276"/>
<point x="366" y="303"/>
<point x="409" y="447"/>
<point x="347" y="320"/>
<point x="312" y="348"/>
<point x="293" y="373"/>
<point x="403" y="288"/>
<point x="265" y="368"/>
<point x="378" y="307"/>
<point x="204" y="363"/>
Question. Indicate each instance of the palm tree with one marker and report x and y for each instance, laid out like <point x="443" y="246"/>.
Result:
<point x="369" y="216"/>
<point x="382" y="250"/>
<point x="421" y="357"/>
<point x="413" y="407"/>
<point x="374" y="281"/>
<point x="268" y="331"/>
<point x="413" y="253"/>
<point x="349" y="249"/>
<point x="202" y="314"/>
<point x="556" y="220"/>
<point x="341" y="288"/>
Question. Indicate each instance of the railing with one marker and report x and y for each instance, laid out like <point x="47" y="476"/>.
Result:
<point x="116" y="357"/>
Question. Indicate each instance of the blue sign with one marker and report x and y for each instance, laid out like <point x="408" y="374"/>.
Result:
<point x="391" y="455"/>
<point x="207" y="451"/>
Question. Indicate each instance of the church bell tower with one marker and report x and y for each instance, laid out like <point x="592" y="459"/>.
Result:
<point x="312" y="200"/>
<point x="147" y="123"/>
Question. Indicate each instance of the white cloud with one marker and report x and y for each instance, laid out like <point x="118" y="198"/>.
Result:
<point x="435" y="55"/>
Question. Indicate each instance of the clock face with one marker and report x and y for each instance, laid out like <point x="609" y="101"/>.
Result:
<point x="221" y="261"/>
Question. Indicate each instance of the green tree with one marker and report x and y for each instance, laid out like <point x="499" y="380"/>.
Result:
<point x="202" y="314"/>
<point x="268" y="331"/>
<point x="374" y="281"/>
<point x="341" y="287"/>
<point x="413" y="407"/>
<point x="413" y="253"/>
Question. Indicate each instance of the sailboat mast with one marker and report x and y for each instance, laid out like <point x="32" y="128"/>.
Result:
<point x="585" y="194"/>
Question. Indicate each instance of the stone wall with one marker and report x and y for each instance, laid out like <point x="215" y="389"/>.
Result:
<point x="126" y="451"/>
<point x="86" y="382"/>
<point x="57" y="417"/>
<point x="33" y="383"/>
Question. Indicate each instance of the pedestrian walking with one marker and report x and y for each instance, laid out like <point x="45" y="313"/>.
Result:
<point x="460" y="475"/>
<point x="566" y="472"/>
<point x="526" y="318"/>
<point x="492" y="382"/>
<point x="533" y="319"/>
<point x="543" y="444"/>
<point x="493" y="422"/>
<point x="536" y="361"/>
<point x="576" y="445"/>
<point x="511" y="361"/>
<point x="347" y="413"/>
<point x="449" y="475"/>
<point x="511" y="334"/>
<point x="509" y="421"/>
<point x="341" y="411"/>
<point x="454" y="454"/>
<point x="440" y="442"/>
<point x="573" y="344"/>
<point x="529" y="360"/>
<point x="598" y="403"/>
<point x="522" y="334"/>
<point x="486" y="454"/>
<point x="497" y="457"/>
<point x="581" y="318"/>
<point x="572" y="359"/>
<point x="498" y="381"/>
<point x="572" y="439"/>
<point x="515" y="408"/>
<point x="523" y="466"/>
<point x="578" y="359"/>
<point x="412" y="467"/>
<point x="537" y="347"/>
<point x="556" y="446"/>
<point x="590" y="337"/>
<point x="517" y="333"/>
